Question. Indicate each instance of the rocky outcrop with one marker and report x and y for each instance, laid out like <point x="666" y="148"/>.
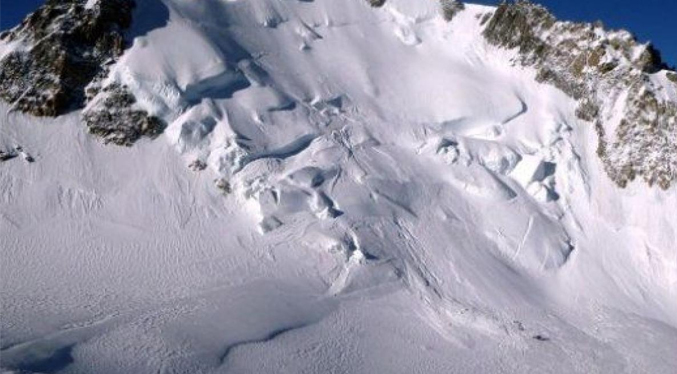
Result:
<point x="113" y="117"/>
<point x="605" y="71"/>
<point x="645" y="142"/>
<point x="376" y="3"/>
<point x="59" y="53"/>
<point x="450" y="8"/>
<point x="61" y="48"/>
<point x="672" y="77"/>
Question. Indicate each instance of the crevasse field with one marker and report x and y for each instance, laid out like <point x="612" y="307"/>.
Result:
<point x="403" y="199"/>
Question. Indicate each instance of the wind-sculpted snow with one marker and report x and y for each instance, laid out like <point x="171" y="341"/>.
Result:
<point x="340" y="187"/>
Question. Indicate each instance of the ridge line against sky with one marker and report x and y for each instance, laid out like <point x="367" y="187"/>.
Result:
<point x="649" y="20"/>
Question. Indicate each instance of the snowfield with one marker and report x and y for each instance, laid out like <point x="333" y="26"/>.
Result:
<point x="394" y="196"/>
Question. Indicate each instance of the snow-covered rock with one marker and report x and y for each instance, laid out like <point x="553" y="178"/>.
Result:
<point x="619" y="83"/>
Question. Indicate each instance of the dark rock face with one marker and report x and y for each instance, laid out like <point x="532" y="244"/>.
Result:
<point x="604" y="70"/>
<point x="673" y="77"/>
<point x="66" y="48"/>
<point x="450" y="8"/>
<point x="518" y="25"/>
<point x="61" y="53"/>
<point x="111" y="116"/>
<point x="376" y="3"/>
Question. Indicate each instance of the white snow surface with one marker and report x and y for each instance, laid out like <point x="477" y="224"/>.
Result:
<point x="404" y="200"/>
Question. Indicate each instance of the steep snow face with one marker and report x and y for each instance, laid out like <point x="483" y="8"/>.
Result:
<point x="384" y="191"/>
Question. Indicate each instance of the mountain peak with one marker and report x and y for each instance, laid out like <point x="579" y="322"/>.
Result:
<point x="57" y="59"/>
<point x="389" y="186"/>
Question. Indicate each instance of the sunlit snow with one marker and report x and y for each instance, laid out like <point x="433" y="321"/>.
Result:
<point x="403" y="200"/>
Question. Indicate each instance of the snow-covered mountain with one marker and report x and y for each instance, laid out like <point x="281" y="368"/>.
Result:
<point x="339" y="186"/>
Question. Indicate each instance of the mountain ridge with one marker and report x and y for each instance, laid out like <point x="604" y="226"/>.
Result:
<point x="336" y="187"/>
<point x="520" y="25"/>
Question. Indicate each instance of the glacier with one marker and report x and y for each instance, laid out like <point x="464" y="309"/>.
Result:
<point x="372" y="189"/>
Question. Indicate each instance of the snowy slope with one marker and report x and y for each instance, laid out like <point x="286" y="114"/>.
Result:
<point x="401" y="199"/>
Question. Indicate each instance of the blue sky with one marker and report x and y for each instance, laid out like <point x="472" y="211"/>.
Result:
<point x="13" y="11"/>
<point x="650" y="20"/>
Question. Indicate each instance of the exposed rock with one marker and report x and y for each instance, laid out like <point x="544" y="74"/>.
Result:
<point x="62" y="47"/>
<point x="587" y="110"/>
<point x="223" y="185"/>
<point x="112" y="116"/>
<point x="604" y="70"/>
<point x="64" y="52"/>
<point x="672" y="77"/>
<point x="24" y="154"/>
<point x="650" y="61"/>
<point x="518" y="26"/>
<point x="7" y="155"/>
<point x="645" y="141"/>
<point x="376" y="3"/>
<point x="450" y="8"/>
<point x="197" y="165"/>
